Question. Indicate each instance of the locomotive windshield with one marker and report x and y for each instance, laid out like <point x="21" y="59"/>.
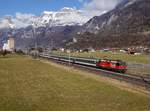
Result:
<point x="122" y="63"/>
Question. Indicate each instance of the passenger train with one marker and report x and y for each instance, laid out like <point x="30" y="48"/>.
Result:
<point x="106" y="64"/>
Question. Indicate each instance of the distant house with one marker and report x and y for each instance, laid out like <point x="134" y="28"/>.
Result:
<point x="131" y="51"/>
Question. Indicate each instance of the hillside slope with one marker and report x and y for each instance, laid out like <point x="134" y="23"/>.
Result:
<point x="127" y="25"/>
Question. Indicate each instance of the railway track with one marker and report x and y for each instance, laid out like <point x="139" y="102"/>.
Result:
<point x="133" y="79"/>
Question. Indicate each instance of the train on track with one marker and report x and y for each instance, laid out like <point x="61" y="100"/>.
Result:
<point x="107" y="64"/>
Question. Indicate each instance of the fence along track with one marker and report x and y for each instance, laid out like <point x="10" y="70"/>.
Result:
<point x="133" y="79"/>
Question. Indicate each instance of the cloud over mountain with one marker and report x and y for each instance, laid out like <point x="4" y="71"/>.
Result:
<point x="98" y="7"/>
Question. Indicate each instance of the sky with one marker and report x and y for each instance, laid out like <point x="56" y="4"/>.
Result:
<point x="10" y="7"/>
<point x="36" y="7"/>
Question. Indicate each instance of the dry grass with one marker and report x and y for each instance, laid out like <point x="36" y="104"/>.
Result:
<point x="31" y="85"/>
<point x="117" y="83"/>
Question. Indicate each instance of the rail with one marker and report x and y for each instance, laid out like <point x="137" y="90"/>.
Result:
<point x="134" y="79"/>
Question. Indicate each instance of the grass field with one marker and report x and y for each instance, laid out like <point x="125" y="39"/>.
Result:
<point x="121" y="56"/>
<point x="32" y="85"/>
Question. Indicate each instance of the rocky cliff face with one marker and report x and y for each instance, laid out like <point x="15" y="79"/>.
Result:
<point x="126" y="25"/>
<point x="128" y="14"/>
<point x="43" y="36"/>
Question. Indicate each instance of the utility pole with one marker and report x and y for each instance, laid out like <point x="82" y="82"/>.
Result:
<point x="35" y="41"/>
<point x="51" y="44"/>
<point x="69" y="56"/>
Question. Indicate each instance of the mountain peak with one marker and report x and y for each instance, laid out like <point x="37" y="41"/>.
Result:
<point x="47" y="12"/>
<point x="63" y="17"/>
<point x="68" y="9"/>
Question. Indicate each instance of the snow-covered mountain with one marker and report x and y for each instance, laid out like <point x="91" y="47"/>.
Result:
<point x="63" y="17"/>
<point x="128" y="24"/>
<point x="66" y="16"/>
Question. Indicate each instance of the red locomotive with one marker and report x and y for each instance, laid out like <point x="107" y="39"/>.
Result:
<point x="114" y="65"/>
